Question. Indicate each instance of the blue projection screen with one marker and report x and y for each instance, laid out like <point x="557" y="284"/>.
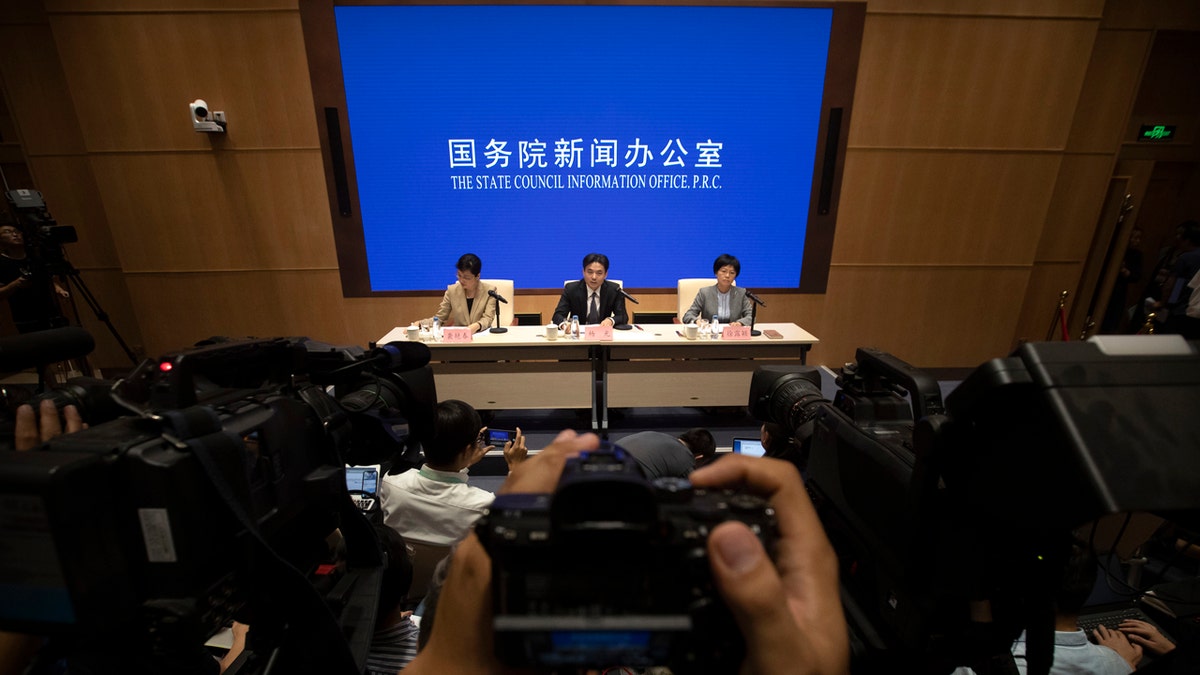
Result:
<point x="661" y="136"/>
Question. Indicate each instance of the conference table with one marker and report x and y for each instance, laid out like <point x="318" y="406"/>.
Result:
<point x="652" y="365"/>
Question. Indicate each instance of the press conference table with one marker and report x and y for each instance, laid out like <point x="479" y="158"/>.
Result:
<point x="652" y="365"/>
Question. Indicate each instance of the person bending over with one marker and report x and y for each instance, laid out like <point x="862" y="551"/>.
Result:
<point x="466" y="303"/>
<point x="660" y="455"/>
<point x="593" y="298"/>
<point x="723" y="300"/>
<point x="434" y="504"/>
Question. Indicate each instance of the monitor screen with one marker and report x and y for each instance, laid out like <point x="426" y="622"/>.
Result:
<point x="362" y="479"/>
<point x="532" y="135"/>
<point x="748" y="446"/>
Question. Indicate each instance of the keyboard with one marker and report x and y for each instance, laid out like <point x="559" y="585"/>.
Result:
<point x="1112" y="618"/>
<point x="363" y="502"/>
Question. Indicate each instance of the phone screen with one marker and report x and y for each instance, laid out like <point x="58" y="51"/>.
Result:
<point x="501" y="436"/>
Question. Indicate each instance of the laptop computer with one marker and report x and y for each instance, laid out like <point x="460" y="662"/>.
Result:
<point x="749" y="446"/>
<point x="362" y="482"/>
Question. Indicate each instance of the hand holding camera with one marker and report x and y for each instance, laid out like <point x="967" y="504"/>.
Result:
<point x="791" y="619"/>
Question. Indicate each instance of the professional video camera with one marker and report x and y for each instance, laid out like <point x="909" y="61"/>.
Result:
<point x="44" y="236"/>
<point x="953" y="524"/>
<point x="611" y="569"/>
<point x="133" y="541"/>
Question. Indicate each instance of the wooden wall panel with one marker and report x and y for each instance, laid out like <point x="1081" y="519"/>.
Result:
<point x="69" y="188"/>
<point x="1046" y="283"/>
<point x="132" y="77"/>
<point x="1151" y="14"/>
<point x="1040" y="8"/>
<point x="926" y="316"/>
<point x="969" y="82"/>
<point x="922" y="207"/>
<point x="181" y="308"/>
<point x="37" y="91"/>
<point x="129" y="6"/>
<point x="218" y="210"/>
<point x="1110" y="86"/>
<point x="1071" y="220"/>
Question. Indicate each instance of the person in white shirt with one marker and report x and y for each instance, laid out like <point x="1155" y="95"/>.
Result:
<point x="434" y="504"/>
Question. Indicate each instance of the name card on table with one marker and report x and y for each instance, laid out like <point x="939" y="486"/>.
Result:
<point x="602" y="333"/>
<point x="735" y="333"/>
<point x="453" y="334"/>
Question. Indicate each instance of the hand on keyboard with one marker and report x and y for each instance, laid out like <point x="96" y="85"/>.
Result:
<point x="1146" y="636"/>
<point x="1116" y="641"/>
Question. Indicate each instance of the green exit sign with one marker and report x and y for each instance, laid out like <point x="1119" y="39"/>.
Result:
<point x="1157" y="133"/>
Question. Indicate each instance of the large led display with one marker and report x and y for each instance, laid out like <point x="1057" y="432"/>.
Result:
<point x="531" y="135"/>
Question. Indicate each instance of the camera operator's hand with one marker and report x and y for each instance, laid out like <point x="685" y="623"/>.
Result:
<point x="515" y="451"/>
<point x="1146" y="636"/>
<point x="1116" y="641"/>
<point x="33" y="430"/>
<point x="465" y="602"/>
<point x="62" y="292"/>
<point x="789" y="612"/>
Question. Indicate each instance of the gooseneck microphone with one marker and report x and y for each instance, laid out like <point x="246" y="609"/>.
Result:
<point x="754" y="312"/>
<point x="499" y="299"/>
<point x="628" y="296"/>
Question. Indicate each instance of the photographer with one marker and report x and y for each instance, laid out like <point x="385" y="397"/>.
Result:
<point x="789" y="612"/>
<point x="30" y="290"/>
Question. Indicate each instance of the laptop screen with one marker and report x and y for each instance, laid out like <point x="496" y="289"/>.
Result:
<point x="362" y="479"/>
<point x="748" y="446"/>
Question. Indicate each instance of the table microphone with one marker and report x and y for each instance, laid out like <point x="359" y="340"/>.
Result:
<point x="628" y="296"/>
<point x="499" y="299"/>
<point x="754" y="312"/>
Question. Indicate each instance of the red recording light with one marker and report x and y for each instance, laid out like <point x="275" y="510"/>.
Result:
<point x="165" y="366"/>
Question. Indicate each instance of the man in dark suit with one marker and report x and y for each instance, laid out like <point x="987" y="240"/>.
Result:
<point x="595" y="299"/>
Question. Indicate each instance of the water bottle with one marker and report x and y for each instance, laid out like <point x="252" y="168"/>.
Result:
<point x="437" y="330"/>
<point x="715" y="328"/>
<point x="574" y="326"/>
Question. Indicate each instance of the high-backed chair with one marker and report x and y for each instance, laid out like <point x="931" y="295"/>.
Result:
<point x="685" y="292"/>
<point x="425" y="558"/>
<point x="505" y="288"/>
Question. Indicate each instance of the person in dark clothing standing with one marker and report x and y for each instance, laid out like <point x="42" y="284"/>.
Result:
<point x="27" y="285"/>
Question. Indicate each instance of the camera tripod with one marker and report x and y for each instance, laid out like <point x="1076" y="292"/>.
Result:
<point x="63" y="268"/>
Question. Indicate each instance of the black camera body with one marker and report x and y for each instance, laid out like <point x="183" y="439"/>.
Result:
<point x="214" y="502"/>
<point x="612" y="569"/>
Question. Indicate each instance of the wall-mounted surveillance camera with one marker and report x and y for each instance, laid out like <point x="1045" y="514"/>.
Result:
<point x="204" y="119"/>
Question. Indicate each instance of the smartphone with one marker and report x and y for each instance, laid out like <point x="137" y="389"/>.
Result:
<point x="773" y="334"/>
<point x="501" y="436"/>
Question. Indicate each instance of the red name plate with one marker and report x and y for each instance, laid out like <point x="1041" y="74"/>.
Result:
<point x="736" y="333"/>
<point x="603" y="333"/>
<point x="456" y="334"/>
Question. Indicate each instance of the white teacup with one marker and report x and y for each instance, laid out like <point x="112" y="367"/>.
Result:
<point x="551" y="331"/>
<point x="414" y="333"/>
<point x="691" y="331"/>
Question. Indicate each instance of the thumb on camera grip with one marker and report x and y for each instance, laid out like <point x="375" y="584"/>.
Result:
<point x="752" y="589"/>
